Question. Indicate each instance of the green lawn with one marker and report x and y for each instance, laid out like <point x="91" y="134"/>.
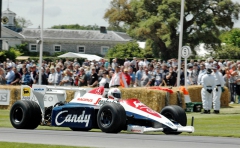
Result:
<point x="225" y="124"/>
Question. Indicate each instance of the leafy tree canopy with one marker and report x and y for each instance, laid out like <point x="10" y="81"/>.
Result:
<point x="130" y="49"/>
<point x="77" y="26"/>
<point x="158" y="22"/>
<point x="231" y="37"/>
<point x="88" y="27"/>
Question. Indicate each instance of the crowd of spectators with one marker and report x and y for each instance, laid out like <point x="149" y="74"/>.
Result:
<point x="137" y="72"/>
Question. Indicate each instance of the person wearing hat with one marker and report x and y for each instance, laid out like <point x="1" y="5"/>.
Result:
<point x="208" y="84"/>
<point x="118" y="79"/>
<point x="217" y="91"/>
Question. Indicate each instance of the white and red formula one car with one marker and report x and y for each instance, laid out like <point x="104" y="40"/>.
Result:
<point x="97" y="108"/>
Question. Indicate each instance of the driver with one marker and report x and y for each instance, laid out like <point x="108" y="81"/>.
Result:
<point x="115" y="94"/>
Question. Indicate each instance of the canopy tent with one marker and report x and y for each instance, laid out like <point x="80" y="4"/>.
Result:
<point x="90" y="57"/>
<point x="22" y="58"/>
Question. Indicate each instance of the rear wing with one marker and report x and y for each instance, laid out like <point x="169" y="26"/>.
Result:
<point x="46" y="95"/>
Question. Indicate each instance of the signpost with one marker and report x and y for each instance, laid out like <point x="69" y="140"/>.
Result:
<point x="180" y="41"/>
<point x="185" y="53"/>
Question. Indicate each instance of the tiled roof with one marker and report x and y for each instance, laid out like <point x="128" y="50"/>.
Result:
<point x="75" y="34"/>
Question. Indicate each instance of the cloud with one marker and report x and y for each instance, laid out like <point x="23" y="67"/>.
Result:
<point x="53" y="11"/>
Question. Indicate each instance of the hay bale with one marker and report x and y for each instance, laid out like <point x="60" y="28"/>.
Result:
<point x="195" y="93"/>
<point x="225" y="98"/>
<point x="70" y="95"/>
<point x="14" y="95"/>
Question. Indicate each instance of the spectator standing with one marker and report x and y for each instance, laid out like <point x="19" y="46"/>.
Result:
<point x="202" y="72"/>
<point x="67" y="79"/>
<point x="104" y="80"/>
<point x="158" y="77"/>
<point x="10" y="75"/>
<point x="26" y="78"/>
<point x="138" y="77"/>
<point x="93" y="81"/>
<point x="217" y="92"/>
<point x="132" y="75"/>
<point x="146" y="78"/>
<point x="118" y="79"/>
<point x="127" y="76"/>
<point x="17" y="77"/>
<point x="52" y="78"/>
<point x="2" y="76"/>
<point x="232" y="84"/>
<point x="82" y="78"/>
<point x="114" y="63"/>
<point x="44" y="77"/>
<point x="171" y="77"/>
<point x="33" y="74"/>
<point x="238" y="83"/>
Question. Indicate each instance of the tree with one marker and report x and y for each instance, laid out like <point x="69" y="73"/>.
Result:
<point x="21" y="22"/>
<point x="130" y="49"/>
<point x="77" y="27"/>
<point x="157" y="21"/>
<point x="231" y="37"/>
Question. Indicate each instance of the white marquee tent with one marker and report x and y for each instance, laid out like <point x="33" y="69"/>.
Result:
<point x="90" y="57"/>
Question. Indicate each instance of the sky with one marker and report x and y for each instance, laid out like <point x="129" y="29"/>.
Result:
<point x="63" y="12"/>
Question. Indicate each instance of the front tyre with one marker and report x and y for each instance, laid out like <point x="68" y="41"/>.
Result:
<point x="176" y="114"/>
<point x="111" y="118"/>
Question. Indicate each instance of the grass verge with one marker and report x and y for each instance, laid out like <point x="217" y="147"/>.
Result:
<point x="225" y="124"/>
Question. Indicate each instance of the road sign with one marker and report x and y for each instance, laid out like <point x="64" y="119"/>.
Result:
<point x="186" y="51"/>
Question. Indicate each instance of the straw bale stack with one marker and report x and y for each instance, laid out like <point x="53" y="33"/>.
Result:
<point x="70" y="95"/>
<point x="195" y="93"/>
<point x="154" y="99"/>
<point x="15" y="93"/>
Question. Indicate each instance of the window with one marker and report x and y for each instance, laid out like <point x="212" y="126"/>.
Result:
<point x="104" y="50"/>
<point x="33" y="47"/>
<point x="81" y="49"/>
<point x="57" y="48"/>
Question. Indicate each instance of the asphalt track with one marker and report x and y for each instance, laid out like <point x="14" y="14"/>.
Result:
<point x="122" y="140"/>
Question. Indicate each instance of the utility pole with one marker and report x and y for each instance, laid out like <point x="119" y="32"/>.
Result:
<point x="1" y="26"/>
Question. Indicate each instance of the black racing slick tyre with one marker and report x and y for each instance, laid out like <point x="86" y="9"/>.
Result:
<point x="25" y="115"/>
<point x="37" y="115"/>
<point x="176" y="114"/>
<point x="111" y="118"/>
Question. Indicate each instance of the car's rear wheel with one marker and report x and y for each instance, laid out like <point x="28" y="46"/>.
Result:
<point x="176" y="114"/>
<point x="111" y="118"/>
<point x="25" y="115"/>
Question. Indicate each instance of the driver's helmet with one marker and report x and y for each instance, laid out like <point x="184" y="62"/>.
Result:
<point x="115" y="94"/>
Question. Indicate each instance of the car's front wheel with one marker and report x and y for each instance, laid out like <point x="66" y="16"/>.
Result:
<point x="111" y="118"/>
<point x="176" y="114"/>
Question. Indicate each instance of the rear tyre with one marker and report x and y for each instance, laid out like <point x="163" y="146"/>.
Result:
<point x="25" y="115"/>
<point x="20" y="115"/>
<point x="176" y="114"/>
<point x="111" y="118"/>
<point x="37" y="114"/>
